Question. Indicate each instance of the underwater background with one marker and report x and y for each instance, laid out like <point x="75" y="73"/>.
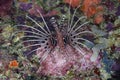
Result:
<point x="31" y="47"/>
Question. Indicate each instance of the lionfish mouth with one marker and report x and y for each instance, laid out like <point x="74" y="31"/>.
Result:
<point x="60" y="46"/>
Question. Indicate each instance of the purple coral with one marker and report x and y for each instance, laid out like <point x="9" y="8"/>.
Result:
<point x="109" y="4"/>
<point x="118" y="11"/>
<point x="5" y="6"/>
<point x="109" y="26"/>
<point x="25" y="6"/>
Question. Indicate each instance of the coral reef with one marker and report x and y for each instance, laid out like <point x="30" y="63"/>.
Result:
<point x="59" y="40"/>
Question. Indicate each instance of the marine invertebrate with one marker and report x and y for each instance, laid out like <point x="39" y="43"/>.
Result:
<point x="90" y="7"/>
<point x="5" y="6"/>
<point x="93" y="9"/>
<point x="73" y="3"/>
<point x="60" y="43"/>
<point x="13" y="64"/>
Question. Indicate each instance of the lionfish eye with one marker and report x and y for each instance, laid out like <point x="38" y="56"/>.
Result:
<point x="63" y="22"/>
<point x="66" y="39"/>
<point x="52" y="20"/>
<point x="63" y="18"/>
<point x="53" y="41"/>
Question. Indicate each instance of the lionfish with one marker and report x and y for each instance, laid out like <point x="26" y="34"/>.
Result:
<point x="60" y="44"/>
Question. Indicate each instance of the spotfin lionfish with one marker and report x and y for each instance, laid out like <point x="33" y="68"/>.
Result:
<point x="61" y="42"/>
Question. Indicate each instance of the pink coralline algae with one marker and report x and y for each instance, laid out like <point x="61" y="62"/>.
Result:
<point x="33" y="11"/>
<point x="58" y="62"/>
<point x="5" y="6"/>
